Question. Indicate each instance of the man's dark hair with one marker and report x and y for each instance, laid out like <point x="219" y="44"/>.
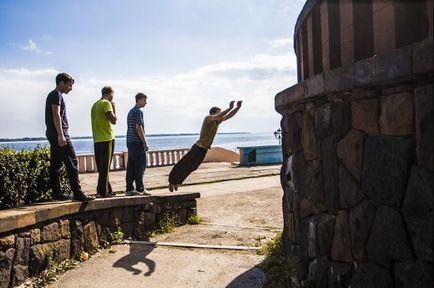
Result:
<point x="213" y="110"/>
<point x="64" y="77"/>
<point x="140" y="96"/>
<point x="106" y="90"/>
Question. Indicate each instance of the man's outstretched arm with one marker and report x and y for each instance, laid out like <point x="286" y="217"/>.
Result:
<point x="233" y="112"/>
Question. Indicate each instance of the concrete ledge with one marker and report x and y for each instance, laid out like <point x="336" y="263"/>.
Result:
<point x="13" y="219"/>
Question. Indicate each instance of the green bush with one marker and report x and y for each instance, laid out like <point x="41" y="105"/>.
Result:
<point x="24" y="177"/>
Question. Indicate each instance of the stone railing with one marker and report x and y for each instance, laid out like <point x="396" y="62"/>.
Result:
<point x="157" y="158"/>
<point x="31" y="237"/>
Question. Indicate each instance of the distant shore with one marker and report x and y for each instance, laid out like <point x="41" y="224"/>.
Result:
<point x="118" y="136"/>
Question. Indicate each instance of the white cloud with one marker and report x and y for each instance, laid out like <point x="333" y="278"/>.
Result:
<point x="281" y="42"/>
<point x="176" y="103"/>
<point x="31" y="46"/>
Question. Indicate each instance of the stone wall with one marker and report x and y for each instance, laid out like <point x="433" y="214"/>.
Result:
<point x="358" y="152"/>
<point x="25" y="250"/>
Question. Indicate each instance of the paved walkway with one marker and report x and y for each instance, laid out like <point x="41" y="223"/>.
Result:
<point x="244" y="212"/>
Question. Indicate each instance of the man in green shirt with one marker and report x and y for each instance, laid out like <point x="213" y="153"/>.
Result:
<point x="103" y="118"/>
<point x="191" y="161"/>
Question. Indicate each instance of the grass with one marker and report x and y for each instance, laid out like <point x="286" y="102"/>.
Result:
<point x="194" y="219"/>
<point x="52" y="272"/>
<point x="167" y="223"/>
<point x="274" y="266"/>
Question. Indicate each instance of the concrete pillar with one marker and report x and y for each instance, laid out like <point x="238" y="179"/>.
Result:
<point x="325" y="36"/>
<point x="384" y="26"/>
<point x="347" y="32"/>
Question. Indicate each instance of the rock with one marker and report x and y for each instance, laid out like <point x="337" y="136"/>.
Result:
<point x="35" y="236"/>
<point x="422" y="56"/>
<point x="330" y="172"/>
<point x="372" y="276"/>
<point x="385" y="169"/>
<point x="149" y="220"/>
<point x="393" y="64"/>
<point x="350" y="152"/>
<point x="294" y="133"/>
<point x="62" y="250"/>
<point x="418" y="212"/>
<point x="77" y="238"/>
<point x="40" y="256"/>
<point x="318" y="272"/>
<point x="20" y="274"/>
<point x="341" y="118"/>
<point x="325" y="228"/>
<point x="341" y="246"/>
<point x="339" y="275"/>
<point x="323" y="125"/>
<point x="7" y="242"/>
<point x="424" y="125"/>
<point x="91" y="242"/>
<point x="51" y="232"/>
<point x="350" y="193"/>
<point x="365" y="115"/>
<point x="414" y="275"/>
<point x="397" y="114"/>
<point x="22" y="251"/>
<point x="6" y="261"/>
<point x="388" y="239"/>
<point x="313" y="193"/>
<point x="310" y="144"/>
<point x="64" y="228"/>
<point x="361" y="220"/>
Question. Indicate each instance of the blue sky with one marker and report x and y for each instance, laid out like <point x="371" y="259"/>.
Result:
<point x="186" y="55"/>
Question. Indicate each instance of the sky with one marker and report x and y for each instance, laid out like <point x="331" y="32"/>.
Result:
<point x="186" y="55"/>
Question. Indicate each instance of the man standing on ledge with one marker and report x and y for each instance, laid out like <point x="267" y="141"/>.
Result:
<point x="191" y="161"/>
<point x="103" y="116"/>
<point x="137" y="147"/>
<point x="61" y="147"/>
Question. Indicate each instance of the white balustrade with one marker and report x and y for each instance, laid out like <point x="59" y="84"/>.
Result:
<point x="157" y="158"/>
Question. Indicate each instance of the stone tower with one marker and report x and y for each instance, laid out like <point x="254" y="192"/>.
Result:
<point x="358" y="145"/>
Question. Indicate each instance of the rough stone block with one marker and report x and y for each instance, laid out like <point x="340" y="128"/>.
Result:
<point x="22" y="251"/>
<point x="310" y="143"/>
<point x="424" y="125"/>
<point x="35" y="236"/>
<point x="370" y="275"/>
<point x="325" y="228"/>
<point x="330" y="172"/>
<point x="339" y="275"/>
<point x="361" y="219"/>
<point x="393" y="64"/>
<point x="314" y="86"/>
<point x="414" y="275"/>
<point x="6" y="261"/>
<point x="40" y="256"/>
<point x="341" y="118"/>
<point x="62" y="250"/>
<point x="341" y="247"/>
<point x="422" y="56"/>
<point x="388" y="239"/>
<point x="364" y="71"/>
<point x="313" y="189"/>
<point x="386" y="169"/>
<point x="418" y="212"/>
<point x="20" y="275"/>
<point x="365" y="115"/>
<point x="292" y="126"/>
<point x="51" y="232"/>
<point x="397" y="114"/>
<point x="339" y="79"/>
<point x="7" y="242"/>
<point x="350" y="152"/>
<point x="91" y="241"/>
<point x="318" y="272"/>
<point x="323" y="125"/>
<point x="64" y="228"/>
<point x="396" y="89"/>
<point x="350" y="193"/>
<point x="77" y="238"/>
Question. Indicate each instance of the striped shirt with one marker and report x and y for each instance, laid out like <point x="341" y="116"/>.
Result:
<point x="135" y="116"/>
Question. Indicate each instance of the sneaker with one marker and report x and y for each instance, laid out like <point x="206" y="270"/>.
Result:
<point x="144" y="192"/>
<point x="171" y="187"/>
<point x="132" y="193"/>
<point x="61" y="197"/>
<point x="176" y="187"/>
<point x="82" y="197"/>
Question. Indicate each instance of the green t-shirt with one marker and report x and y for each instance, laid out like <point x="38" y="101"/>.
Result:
<point x="102" y="128"/>
<point x="207" y="132"/>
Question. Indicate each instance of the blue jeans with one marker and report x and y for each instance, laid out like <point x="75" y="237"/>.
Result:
<point x="136" y="166"/>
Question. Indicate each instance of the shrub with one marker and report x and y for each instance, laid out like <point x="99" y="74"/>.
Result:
<point x="24" y="177"/>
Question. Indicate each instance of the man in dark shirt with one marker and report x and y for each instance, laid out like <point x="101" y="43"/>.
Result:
<point x="61" y="147"/>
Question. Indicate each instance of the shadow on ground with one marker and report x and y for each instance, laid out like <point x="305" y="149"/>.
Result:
<point x="253" y="278"/>
<point x="137" y="254"/>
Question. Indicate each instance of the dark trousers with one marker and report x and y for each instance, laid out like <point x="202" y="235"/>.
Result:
<point x="135" y="167"/>
<point x="189" y="163"/>
<point x="65" y="155"/>
<point x="103" y="158"/>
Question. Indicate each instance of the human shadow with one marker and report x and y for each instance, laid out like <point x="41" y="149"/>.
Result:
<point x="137" y="255"/>
<point x="252" y="278"/>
